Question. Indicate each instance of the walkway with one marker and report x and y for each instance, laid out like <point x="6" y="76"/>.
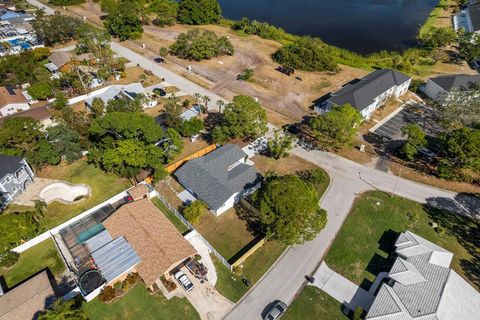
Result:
<point x="342" y="289"/>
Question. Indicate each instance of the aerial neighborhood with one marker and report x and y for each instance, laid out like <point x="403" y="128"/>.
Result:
<point x="214" y="159"/>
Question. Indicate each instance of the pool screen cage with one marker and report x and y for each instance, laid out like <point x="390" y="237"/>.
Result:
<point x="75" y="235"/>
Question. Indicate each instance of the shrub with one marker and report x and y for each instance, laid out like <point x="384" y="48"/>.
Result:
<point x="199" y="12"/>
<point x="194" y="211"/>
<point x="201" y="45"/>
<point x="8" y="259"/>
<point x="245" y="75"/>
<point x="107" y="294"/>
<point x="308" y="54"/>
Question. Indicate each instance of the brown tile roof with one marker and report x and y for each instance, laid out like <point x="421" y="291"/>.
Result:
<point x="60" y="58"/>
<point x="6" y="96"/>
<point x="40" y="113"/>
<point x="139" y="191"/>
<point x="154" y="238"/>
<point x="25" y="300"/>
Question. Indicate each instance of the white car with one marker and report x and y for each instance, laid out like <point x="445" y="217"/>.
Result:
<point x="184" y="281"/>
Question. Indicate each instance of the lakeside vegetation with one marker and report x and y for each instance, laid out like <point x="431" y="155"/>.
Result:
<point x="432" y="19"/>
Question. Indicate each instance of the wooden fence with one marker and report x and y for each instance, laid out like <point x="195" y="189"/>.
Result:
<point x="200" y="153"/>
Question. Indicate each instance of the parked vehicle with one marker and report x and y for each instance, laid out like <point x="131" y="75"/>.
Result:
<point x="184" y="281"/>
<point x="159" y="92"/>
<point x="276" y="312"/>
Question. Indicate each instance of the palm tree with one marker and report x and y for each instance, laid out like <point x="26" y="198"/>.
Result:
<point x="206" y="99"/>
<point x="220" y="104"/>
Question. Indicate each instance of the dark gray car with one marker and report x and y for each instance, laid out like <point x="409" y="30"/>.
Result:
<point x="277" y="311"/>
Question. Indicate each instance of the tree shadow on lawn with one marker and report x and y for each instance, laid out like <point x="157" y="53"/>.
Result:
<point x="463" y="222"/>
<point x="251" y="218"/>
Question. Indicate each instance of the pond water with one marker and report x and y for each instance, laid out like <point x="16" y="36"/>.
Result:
<point x="363" y="26"/>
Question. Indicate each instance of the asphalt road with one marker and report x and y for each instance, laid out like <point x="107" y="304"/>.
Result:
<point x="348" y="179"/>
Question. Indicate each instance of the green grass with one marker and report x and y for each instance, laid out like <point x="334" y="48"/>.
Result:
<point x="231" y="285"/>
<point x="139" y="304"/>
<point x="170" y="215"/>
<point x="103" y="186"/>
<point x="43" y="255"/>
<point x="369" y="233"/>
<point x="432" y="19"/>
<point x="227" y="233"/>
<point x="313" y="304"/>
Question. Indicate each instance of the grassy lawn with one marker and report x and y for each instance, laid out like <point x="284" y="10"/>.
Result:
<point x="231" y="285"/>
<point x="41" y="256"/>
<point x="103" y="186"/>
<point x="432" y="20"/>
<point x="291" y="164"/>
<point x="139" y="304"/>
<point x="313" y="304"/>
<point x="170" y="215"/>
<point x="227" y="233"/>
<point x="369" y="233"/>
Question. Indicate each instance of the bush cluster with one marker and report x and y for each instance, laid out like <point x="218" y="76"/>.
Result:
<point x="201" y="45"/>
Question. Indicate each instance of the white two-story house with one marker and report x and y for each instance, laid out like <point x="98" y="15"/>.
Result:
<point x="15" y="175"/>
<point x="369" y="93"/>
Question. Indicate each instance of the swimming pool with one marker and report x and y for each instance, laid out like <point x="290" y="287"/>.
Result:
<point x="89" y="233"/>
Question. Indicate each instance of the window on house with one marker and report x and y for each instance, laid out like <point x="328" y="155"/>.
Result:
<point x="7" y="179"/>
<point x="14" y="189"/>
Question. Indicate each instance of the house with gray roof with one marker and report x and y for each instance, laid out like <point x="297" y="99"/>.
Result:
<point x="129" y="91"/>
<point x="421" y="285"/>
<point x="220" y="178"/>
<point x="437" y="87"/>
<point x="15" y="175"/>
<point x="369" y="93"/>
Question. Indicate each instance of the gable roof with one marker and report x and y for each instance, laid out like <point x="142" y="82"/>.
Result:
<point x="153" y="237"/>
<point x="60" y="58"/>
<point x="474" y="12"/>
<point x="131" y="90"/>
<point x="361" y="94"/>
<point x="420" y="285"/>
<point x="11" y="95"/>
<point x="40" y="113"/>
<point x="217" y="176"/>
<point x="456" y="81"/>
<point x="27" y="299"/>
<point x="9" y="164"/>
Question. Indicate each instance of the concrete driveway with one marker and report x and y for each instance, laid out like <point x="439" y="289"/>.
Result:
<point x="208" y="302"/>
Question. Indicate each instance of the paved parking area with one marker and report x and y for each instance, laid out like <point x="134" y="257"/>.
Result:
<point x="410" y="112"/>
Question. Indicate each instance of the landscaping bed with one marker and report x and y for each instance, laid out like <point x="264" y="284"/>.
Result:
<point x="362" y="246"/>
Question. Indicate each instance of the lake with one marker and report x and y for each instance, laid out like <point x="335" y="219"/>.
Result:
<point x="363" y="26"/>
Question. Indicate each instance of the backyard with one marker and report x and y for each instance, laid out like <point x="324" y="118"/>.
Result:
<point x="43" y="255"/>
<point x="103" y="186"/>
<point x="313" y="304"/>
<point x="362" y="246"/>
<point x="139" y="304"/>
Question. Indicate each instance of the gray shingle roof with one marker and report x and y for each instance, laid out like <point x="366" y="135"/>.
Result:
<point x="217" y="176"/>
<point x="474" y="11"/>
<point x="456" y="81"/>
<point x="9" y="164"/>
<point x="417" y="288"/>
<point x="361" y="94"/>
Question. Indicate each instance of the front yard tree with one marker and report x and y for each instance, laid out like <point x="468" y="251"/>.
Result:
<point x="199" y="12"/>
<point x="336" y="128"/>
<point x="415" y="141"/>
<point x="289" y="210"/>
<point x="459" y="108"/>
<point x="469" y="46"/>
<point x="244" y="118"/>
<point x="461" y="149"/>
<point x="60" y="102"/>
<point x="65" y="141"/>
<point x="280" y="145"/>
